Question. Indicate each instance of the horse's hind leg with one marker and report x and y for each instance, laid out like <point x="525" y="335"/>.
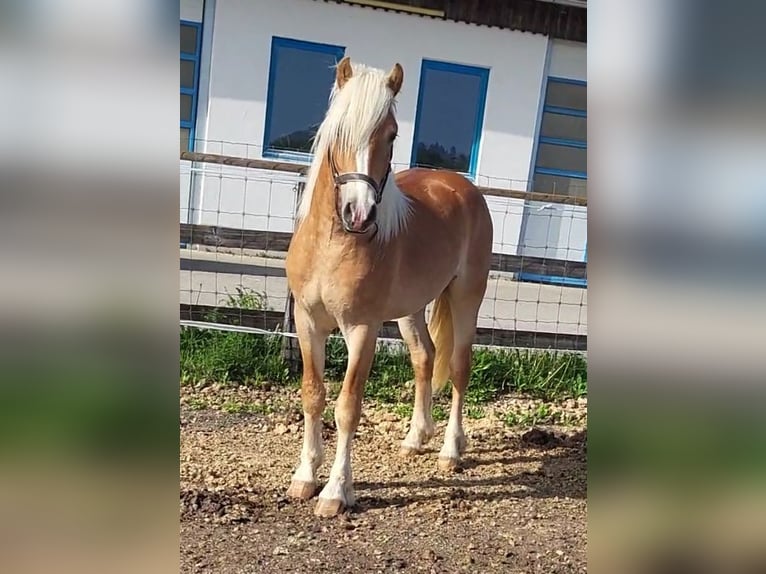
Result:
<point x="312" y="342"/>
<point x="415" y="333"/>
<point x="465" y="309"/>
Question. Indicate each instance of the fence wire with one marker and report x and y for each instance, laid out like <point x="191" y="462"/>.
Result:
<point x="236" y="223"/>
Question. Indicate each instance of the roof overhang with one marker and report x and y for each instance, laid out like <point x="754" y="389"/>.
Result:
<point x="563" y="19"/>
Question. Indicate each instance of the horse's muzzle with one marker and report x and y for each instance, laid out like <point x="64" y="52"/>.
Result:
<point x="356" y="221"/>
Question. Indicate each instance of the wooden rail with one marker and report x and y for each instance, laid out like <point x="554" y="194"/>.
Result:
<point x="213" y="236"/>
<point x="301" y="169"/>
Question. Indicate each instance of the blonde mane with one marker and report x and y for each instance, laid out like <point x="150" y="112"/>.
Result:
<point x="354" y="112"/>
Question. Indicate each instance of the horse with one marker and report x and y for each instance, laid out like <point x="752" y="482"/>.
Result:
<point x="370" y="246"/>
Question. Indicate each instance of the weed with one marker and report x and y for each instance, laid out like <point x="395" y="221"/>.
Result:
<point x="439" y="413"/>
<point x="197" y="404"/>
<point x="474" y="412"/>
<point x="541" y="414"/>
<point x="247" y="298"/>
<point x="403" y="410"/>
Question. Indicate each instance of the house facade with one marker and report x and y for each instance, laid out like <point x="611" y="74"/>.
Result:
<point x="506" y="107"/>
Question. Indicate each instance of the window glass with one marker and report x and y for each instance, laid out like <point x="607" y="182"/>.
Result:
<point x="300" y="81"/>
<point x="566" y="95"/>
<point x="564" y="127"/>
<point x="186" y="107"/>
<point x="449" y="116"/>
<point x="187" y="73"/>
<point x="188" y="39"/>
<point x="562" y="157"/>
<point x="185" y="139"/>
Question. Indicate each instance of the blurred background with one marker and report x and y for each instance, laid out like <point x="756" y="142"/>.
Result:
<point x="89" y="289"/>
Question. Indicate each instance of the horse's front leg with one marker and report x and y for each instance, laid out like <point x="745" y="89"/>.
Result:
<point x="338" y="493"/>
<point x="312" y="342"/>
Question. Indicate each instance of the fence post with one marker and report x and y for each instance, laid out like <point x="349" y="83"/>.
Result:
<point x="291" y="352"/>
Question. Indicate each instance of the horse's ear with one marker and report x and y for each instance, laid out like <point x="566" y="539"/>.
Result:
<point x="343" y="71"/>
<point x="395" y="78"/>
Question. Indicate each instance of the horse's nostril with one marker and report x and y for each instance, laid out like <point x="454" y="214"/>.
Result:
<point x="372" y="214"/>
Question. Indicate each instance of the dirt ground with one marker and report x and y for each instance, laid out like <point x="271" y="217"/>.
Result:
<point x="518" y="505"/>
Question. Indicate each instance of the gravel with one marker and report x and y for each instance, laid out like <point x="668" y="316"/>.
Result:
<point x="518" y="504"/>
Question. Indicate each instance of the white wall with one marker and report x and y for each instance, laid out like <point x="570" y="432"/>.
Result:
<point x="241" y="49"/>
<point x="191" y="10"/>
<point x="568" y="60"/>
<point x="242" y="46"/>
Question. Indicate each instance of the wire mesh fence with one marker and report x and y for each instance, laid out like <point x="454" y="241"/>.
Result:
<point x="237" y="215"/>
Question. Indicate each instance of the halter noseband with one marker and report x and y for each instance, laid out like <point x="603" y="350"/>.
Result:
<point x="350" y="176"/>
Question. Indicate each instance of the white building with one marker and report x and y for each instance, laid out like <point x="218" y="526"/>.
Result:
<point x="505" y="106"/>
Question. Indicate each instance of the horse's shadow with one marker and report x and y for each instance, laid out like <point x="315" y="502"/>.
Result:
<point x="562" y="473"/>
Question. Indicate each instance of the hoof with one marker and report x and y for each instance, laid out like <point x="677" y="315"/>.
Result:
<point x="327" y="508"/>
<point x="449" y="464"/>
<point x="410" y="452"/>
<point x="301" y="490"/>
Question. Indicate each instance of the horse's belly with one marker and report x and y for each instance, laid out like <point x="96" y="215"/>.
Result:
<point x="402" y="303"/>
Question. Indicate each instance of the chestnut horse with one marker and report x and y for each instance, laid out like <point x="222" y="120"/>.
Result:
<point x="371" y="246"/>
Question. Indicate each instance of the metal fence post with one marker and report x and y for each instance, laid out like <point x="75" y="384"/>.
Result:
<point x="291" y="352"/>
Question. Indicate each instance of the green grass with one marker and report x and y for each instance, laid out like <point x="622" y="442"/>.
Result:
<point x="241" y="358"/>
<point x="247" y="407"/>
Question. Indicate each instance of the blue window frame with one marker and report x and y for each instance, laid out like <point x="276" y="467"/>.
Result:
<point x="450" y="115"/>
<point x="561" y="158"/>
<point x="191" y="48"/>
<point x="301" y="75"/>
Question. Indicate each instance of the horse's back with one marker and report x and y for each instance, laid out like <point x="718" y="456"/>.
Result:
<point x="451" y="220"/>
<point x="452" y="198"/>
<point x="423" y="183"/>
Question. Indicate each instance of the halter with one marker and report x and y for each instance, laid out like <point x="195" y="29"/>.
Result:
<point x="339" y="179"/>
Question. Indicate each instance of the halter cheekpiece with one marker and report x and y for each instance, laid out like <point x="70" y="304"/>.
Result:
<point x="341" y="178"/>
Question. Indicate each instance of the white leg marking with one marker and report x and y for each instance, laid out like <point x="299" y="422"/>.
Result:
<point x="313" y="452"/>
<point x="454" y="437"/>
<point x="422" y="423"/>
<point x="340" y="484"/>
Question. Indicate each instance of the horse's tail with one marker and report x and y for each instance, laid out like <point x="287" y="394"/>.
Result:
<point x="441" y="331"/>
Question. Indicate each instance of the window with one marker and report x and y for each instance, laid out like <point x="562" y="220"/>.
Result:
<point x="191" y="43"/>
<point x="561" y="165"/>
<point x="450" y="115"/>
<point x="300" y="80"/>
